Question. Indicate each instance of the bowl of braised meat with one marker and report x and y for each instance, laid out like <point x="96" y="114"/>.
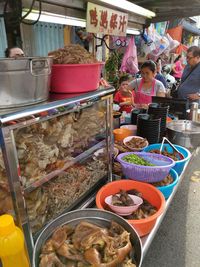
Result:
<point x="135" y="143"/>
<point x="144" y="218"/>
<point x="168" y="151"/>
<point x="166" y="186"/>
<point x="123" y="204"/>
<point x="88" y="237"/>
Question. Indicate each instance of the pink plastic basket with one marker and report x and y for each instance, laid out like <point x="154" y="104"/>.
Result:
<point x="148" y="174"/>
<point x="75" y="78"/>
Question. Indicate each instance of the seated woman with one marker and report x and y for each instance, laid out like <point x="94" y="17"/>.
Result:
<point x="147" y="86"/>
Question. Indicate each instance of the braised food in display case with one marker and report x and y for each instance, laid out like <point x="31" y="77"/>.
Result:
<point x="54" y="197"/>
<point x="6" y="205"/>
<point x="47" y="146"/>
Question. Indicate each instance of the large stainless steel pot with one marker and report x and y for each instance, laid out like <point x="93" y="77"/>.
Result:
<point x="184" y="133"/>
<point x="24" y="81"/>
<point x="99" y="217"/>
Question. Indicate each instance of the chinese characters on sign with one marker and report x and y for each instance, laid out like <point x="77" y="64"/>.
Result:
<point x="106" y="21"/>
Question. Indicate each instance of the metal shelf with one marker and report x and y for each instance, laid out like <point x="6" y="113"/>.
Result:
<point x="69" y="104"/>
<point x="51" y="175"/>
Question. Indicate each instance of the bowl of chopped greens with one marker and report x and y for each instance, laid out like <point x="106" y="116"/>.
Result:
<point x="145" y="167"/>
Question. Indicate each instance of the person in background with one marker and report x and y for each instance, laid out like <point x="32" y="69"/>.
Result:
<point x="189" y="87"/>
<point x="159" y="75"/>
<point x="14" y="52"/>
<point x="147" y="86"/>
<point x="124" y="97"/>
<point x="177" y="68"/>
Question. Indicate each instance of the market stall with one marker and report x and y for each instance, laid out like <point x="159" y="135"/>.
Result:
<point x="89" y="117"/>
<point x="61" y="156"/>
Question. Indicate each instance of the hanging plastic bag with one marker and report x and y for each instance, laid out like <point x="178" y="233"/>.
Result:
<point x="161" y="44"/>
<point x="129" y="61"/>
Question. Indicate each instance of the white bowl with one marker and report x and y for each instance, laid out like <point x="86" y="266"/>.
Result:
<point x="124" y="210"/>
<point x="101" y="150"/>
<point x="127" y="139"/>
<point x="131" y="127"/>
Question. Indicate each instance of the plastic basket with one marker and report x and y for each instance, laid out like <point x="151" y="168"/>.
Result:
<point x="179" y="165"/>
<point x="149" y="174"/>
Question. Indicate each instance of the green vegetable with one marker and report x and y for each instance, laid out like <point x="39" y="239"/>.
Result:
<point x="132" y="158"/>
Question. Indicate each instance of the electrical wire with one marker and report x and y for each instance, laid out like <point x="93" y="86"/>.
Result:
<point x="14" y="18"/>
<point x="40" y="12"/>
<point x="30" y="9"/>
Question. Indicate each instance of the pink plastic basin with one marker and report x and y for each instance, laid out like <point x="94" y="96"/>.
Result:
<point x="75" y="78"/>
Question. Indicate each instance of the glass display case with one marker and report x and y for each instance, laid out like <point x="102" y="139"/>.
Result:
<point x="54" y="156"/>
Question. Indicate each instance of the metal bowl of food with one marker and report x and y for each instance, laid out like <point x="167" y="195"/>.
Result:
<point x="51" y="245"/>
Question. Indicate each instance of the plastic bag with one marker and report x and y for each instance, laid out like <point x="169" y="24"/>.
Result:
<point x="161" y="44"/>
<point x="172" y="44"/>
<point x="129" y="61"/>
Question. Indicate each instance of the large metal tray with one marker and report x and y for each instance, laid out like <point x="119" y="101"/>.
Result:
<point x="99" y="217"/>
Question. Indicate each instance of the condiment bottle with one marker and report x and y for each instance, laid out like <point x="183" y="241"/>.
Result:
<point x="194" y="112"/>
<point x="12" y="249"/>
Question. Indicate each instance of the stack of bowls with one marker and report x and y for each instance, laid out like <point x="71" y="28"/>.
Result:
<point x="149" y="127"/>
<point x="160" y="111"/>
<point x="135" y="113"/>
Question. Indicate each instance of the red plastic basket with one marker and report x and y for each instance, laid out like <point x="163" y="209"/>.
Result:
<point x="75" y="78"/>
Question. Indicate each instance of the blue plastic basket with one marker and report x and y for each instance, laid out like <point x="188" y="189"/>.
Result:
<point x="149" y="174"/>
<point x="167" y="190"/>
<point x="179" y="165"/>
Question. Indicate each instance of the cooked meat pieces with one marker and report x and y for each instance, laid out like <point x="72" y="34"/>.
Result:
<point x="72" y="54"/>
<point x="136" y="142"/>
<point x="88" y="245"/>
<point x="168" y="180"/>
<point x="173" y="155"/>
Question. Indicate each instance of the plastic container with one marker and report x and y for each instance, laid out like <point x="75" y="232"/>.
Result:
<point x="179" y="165"/>
<point x="12" y="250"/>
<point x="124" y="210"/>
<point x="149" y="174"/>
<point x="149" y="192"/>
<point x="75" y="78"/>
<point x="168" y="189"/>
<point x="131" y="127"/>
<point x="120" y="134"/>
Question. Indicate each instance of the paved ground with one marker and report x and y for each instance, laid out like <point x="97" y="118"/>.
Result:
<point x="177" y="242"/>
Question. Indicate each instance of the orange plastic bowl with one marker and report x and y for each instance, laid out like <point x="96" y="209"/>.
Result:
<point x="121" y="133"/>
<point x="149" y="192"/>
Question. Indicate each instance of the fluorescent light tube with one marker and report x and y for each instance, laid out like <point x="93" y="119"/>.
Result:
<point x="55" y="18"/>
<point x="133" y="31"/>
<point x="128" y="6"/>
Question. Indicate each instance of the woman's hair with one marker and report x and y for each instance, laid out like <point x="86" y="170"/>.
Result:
<point x="177" y="58"/>
<point x="149" y="64"/>
<point x="8" y="49"/>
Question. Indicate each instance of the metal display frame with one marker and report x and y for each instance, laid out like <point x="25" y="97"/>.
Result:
<point x="27" y="116"/>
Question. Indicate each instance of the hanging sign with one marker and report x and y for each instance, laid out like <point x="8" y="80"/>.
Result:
<point x="105" y="20"/>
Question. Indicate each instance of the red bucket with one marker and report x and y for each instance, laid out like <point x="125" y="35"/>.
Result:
<point x="75" y="78"/>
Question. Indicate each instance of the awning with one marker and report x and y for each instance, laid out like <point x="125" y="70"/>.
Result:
<point x="170" y="9"/>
